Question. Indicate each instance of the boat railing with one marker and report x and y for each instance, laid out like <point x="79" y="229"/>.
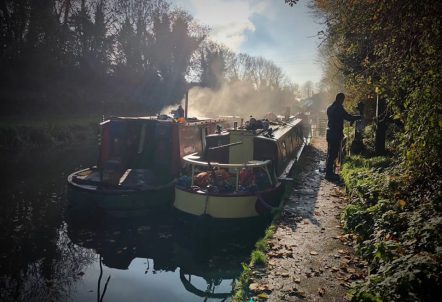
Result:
<point x="195" y="161"/>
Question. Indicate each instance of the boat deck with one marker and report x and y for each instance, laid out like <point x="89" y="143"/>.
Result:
<point x="131" y="178"/>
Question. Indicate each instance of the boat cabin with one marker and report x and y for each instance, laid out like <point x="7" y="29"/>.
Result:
<point x="278" y="143"/>
<point x="149" y="143"/>
<point x="244" y="160"/>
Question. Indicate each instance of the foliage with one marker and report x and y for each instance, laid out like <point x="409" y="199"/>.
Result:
<point x="396" y="47"/>
<point x="19" y="137"/>
<point x="291" y="2"/>
<point x="392" y="49"/>
<point x="241" y="286"/>
<point x="398" y="226"/>
<point x="258" y="258"/>
<point x="116" y="57"/>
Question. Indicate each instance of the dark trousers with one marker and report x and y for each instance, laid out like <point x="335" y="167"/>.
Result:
<point x="333" y="145"/>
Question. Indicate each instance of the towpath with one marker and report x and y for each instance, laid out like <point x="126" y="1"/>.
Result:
<point x="310" y="259"/>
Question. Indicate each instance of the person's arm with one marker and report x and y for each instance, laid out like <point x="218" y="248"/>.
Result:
<point x="347" y="116"/>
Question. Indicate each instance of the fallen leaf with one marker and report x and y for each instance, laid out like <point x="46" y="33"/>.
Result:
<point x="263" y="288"/>
<point x="321" y="291"/>
<point x="263" y="296"/>
<point x="402" y="203"/>
<point x="313" y="253"/>
<point x="344" y="285"/>
<point x="301" y="293"/>
<point x="253" y="287"/>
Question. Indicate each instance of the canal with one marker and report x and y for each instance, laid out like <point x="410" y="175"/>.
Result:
<point x="49" y="253"/>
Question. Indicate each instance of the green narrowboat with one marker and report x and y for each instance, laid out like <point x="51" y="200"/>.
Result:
<point x="242" y="171"/>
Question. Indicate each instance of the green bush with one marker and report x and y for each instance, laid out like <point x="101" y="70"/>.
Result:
<point x="399" y="231"/>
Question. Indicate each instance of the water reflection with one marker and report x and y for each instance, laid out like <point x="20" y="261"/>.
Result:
<point x="47" y="254"/>
<point x="38" y="262"/>
<point x="161" y="255"/>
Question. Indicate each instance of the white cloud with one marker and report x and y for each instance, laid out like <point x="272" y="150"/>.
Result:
<point x="232" y="35"/>
<point x="263" y="7"/>
<point x="230" y="20"/>
<point x="268" y="28"/>
<point x="221" y="11"/>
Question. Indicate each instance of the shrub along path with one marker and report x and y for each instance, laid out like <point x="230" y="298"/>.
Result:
<point x="309" y="257"/>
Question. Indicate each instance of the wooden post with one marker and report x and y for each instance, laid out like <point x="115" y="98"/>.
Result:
<point x="381" y="126"/>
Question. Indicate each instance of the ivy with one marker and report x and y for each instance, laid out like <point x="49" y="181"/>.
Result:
<point x="399" y="233"/>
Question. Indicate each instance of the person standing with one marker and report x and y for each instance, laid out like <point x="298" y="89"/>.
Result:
<point x="335" y="133"/>
<point x="180" y="112"/>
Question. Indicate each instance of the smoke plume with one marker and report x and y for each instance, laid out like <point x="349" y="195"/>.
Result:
<point x="238" y="98"/>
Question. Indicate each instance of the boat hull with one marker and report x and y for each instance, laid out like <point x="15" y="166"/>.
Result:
<point x="84" y="196"/>
<point x="227" y="206"/>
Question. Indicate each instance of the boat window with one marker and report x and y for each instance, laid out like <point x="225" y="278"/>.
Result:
<point x="226" y="181"/>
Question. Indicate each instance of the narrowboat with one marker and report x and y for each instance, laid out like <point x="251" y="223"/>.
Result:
<point x="242" y="172"/>
<point x="139" y="160"/>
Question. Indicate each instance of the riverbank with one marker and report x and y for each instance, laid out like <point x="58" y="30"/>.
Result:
<point x="23" y="133"/>
<point x="378" y="238"/>
<point x="397" y="223"/>
<point x="308" y="256"/>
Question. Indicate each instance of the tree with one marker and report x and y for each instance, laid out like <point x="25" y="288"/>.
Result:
<point x="214" y="63"/>
<point x="172" y="49"/>
<point x="93" y="43"/>
<point x="307" y="89"/>
<point x="395" y="46"/>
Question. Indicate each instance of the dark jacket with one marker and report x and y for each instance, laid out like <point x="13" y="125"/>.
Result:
<point x="336" y="115"/>
<point x="180" y="112"/>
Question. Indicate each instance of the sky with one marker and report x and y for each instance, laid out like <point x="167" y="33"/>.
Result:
<point x="267" y="28"/>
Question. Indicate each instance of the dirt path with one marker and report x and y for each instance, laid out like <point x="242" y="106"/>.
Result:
<point x="309" y="258"/>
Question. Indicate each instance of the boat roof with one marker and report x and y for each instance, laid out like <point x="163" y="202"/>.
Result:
<point x="280" y="130"/>
<point x="192" y="121"/>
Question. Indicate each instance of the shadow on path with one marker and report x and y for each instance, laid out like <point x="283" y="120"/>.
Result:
<point x="309" y="258"/>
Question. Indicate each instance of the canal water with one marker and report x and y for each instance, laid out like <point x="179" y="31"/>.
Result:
<point x="48" y="253"/>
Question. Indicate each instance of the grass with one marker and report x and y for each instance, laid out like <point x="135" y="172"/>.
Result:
<point x="37" y="121"/>
<point x="19" y="133"/>
<point x="258" y="258"/>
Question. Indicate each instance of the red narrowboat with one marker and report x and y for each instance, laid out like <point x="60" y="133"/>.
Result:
<point x="139" y="160"/>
